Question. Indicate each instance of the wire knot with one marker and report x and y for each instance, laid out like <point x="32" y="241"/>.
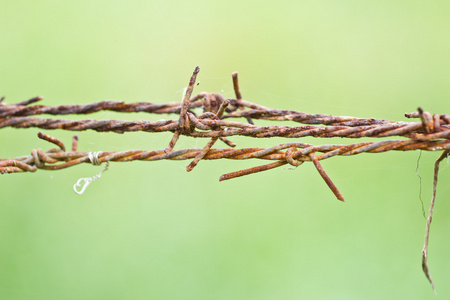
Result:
<point x="36" y="158"/>
<point x="291" y="157"/>
<point x="40" y="158"/>
<point x="93" y="158"/>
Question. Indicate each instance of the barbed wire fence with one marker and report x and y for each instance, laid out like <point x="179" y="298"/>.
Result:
<point x="216" y="121"/>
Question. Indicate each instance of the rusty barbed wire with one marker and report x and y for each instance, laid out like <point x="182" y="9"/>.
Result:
<point x="294" y="154"/>
<point x="206" y="123"/>
<point x="430" y="133"/>
<point x="209" y="101"/>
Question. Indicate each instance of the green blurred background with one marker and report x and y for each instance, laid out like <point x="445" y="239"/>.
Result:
<point x="150" y="230"/>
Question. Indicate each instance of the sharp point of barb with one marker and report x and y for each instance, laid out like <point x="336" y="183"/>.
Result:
<point x="194" y="75"/>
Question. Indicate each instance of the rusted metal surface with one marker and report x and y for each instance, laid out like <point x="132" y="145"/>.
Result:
<point x="430" y="133"/>
<point x="287" y="153"/>
<point x="206" y="128"/>
<point x="325" y="177"/>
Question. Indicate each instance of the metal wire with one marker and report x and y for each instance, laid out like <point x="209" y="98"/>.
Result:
<point x="430" y="133"/>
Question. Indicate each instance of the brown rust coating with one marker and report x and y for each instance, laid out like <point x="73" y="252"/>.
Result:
<point x="10" y="110"/>
<point x="237" y="90"/>
<point x="13" y="165"/>
<point x="283" y="153"/>
<point x="210" y="102"/>
<point x="184" y="126"/>
<point x="52" y="140"/>
<point x="252" y="170"/>
<point x="173" y="141"/>
<point x="116" y="106"/>
<point x="211" y="142"/>
<point x="30" y="101"/>
<point x="74" y="143"/>
<point x="443" y="117"/>
<point x="209" y="127"/>
<point x="183" y="121"/>
<point x="325" y="177"/>
<point x="201" y="100"/>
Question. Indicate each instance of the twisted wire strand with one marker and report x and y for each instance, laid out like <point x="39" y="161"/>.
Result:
<point x="208" y="128"/>
<point x="51" y="159"/>
<point x="432" y="133"/>
<point x="255" y="111"/>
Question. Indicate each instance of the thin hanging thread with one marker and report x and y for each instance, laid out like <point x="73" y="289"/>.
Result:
<point x="420" y="184"/>
<point x="81" y="185"/>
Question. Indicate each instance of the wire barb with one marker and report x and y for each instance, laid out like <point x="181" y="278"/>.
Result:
<point x="183" y="121"/>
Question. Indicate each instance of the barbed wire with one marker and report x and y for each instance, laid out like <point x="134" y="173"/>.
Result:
<point x="216" y="121"/>
<point x="431" y="133"/>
